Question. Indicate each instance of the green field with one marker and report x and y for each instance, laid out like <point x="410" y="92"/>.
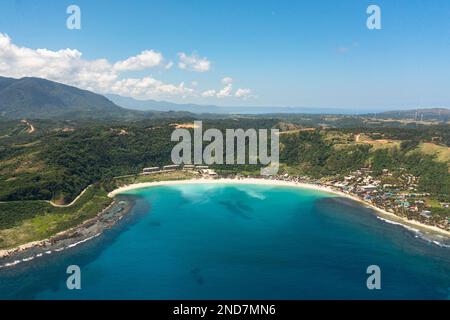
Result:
<point x="27" y="221"/>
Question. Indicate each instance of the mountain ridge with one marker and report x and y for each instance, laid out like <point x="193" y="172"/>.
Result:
<point x="31" y="97"/>
<point x="37" y="98"/>
<point x="164" y="106"/>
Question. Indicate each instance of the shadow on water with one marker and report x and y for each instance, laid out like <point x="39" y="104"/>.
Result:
<point x="237" y="208"/>
<point x="26" y="280"/>
<point x="237" y="203"/>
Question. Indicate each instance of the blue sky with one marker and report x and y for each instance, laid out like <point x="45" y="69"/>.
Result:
<point x="254" y="53"/>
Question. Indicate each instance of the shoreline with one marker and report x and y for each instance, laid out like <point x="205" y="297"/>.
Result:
<point x="87" y="230"/>
<point x="381" y="213"/>
<point x="119" y="207"/>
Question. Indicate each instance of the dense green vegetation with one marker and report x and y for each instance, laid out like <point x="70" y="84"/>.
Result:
<point x="26" y="221"/>
<point x="58" y="163"/>
<point x="15" y="212"/>
<point x="61" y="158"/>
<point x="72" y="160"/>
<point x="72" y="139"/>
<point x="312" y="154"/>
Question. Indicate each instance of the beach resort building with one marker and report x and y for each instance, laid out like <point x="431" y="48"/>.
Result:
<point x="171" y="167"/>
<point x="150" y="170"/>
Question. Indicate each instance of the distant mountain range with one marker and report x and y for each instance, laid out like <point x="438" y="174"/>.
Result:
<point x="36" y="98"/>
<point x="440" y="114"/>
<point x="164" y="106"/>
<point x="153" y="105"/>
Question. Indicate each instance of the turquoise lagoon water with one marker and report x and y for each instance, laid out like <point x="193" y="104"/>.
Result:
<point x="214" y="241"/>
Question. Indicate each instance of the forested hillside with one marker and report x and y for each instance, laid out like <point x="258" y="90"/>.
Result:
<point x="325" y="153"/>
<point x="60" y="159"/>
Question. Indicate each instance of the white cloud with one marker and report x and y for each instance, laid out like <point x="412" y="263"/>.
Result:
<point x="226" y="91"/>
<point x="169" y="65"/>
<point x="209" y="93"/>
<point x="67" y="66"/>
<point x="100" y="75"/>
<point x="149" y="87"/>
<point x="243" y="93"/>
<point x="227" y="80"/>
<point x="64" y="65"/>
<point x="147" y="59"/>
<point x="193" y="62"/>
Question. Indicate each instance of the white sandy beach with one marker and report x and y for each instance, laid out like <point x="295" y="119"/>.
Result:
<point x="380" y="212"/>
<point x="390" y="217"/>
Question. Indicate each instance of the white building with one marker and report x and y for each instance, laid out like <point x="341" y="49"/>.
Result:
<point x="171" y="167"/>
<point x="150" y="170"/>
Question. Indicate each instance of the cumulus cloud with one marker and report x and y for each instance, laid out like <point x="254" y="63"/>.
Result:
<point x="65" y="65"/>
<point x="147" y="59"/>
<point x="193" y="62"/>
<point x="226" y="91"/>
<point x="100" y="75"/>
<point x="243" y="93"/>
<point x="149" y="87"/>
<point x="68" y="66"/>
<point x="209" y="93"/>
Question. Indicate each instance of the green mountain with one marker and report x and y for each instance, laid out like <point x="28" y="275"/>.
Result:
<point x="35" y="98"/>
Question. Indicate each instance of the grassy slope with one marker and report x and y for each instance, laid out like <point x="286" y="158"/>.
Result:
<point x="340" y="140"/>
<point x="27" y="221"/>
<point x="442" y="153"/>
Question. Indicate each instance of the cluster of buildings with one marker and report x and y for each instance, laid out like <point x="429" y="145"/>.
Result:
<point x="397" y="195"/>
<point x="203" y="170"/>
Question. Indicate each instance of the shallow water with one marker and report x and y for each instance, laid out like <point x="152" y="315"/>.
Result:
<point x="208" y="241"/>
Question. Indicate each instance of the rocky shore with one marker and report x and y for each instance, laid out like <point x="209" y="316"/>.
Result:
<point x="88" y="230"/>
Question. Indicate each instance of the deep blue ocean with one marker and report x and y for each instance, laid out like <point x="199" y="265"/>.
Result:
<point x="215" y="241"/>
